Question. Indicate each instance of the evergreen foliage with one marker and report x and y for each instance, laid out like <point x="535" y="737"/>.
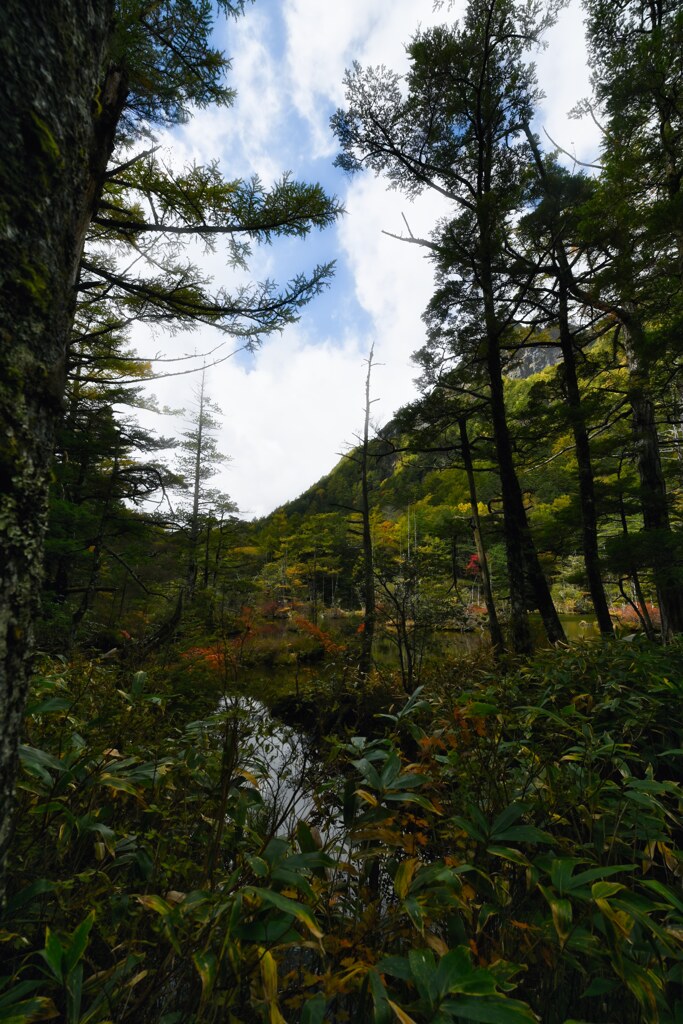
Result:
<point x="450" y="832"/>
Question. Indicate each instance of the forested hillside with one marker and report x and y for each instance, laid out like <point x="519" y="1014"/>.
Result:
<point x="408" y="748"/>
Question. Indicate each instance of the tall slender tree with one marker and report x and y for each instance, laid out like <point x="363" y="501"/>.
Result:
<point x="547" y="231"/>
<point x="198" y="461"/>
<point x="635" y="220"/>
<point x="460" y="132"/>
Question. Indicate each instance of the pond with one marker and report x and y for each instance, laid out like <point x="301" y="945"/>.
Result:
<point x="286" y="768"/>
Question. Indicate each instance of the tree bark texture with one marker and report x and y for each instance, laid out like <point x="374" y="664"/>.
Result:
<point x="59" y="104"/>
<point x="653" y="496"/>
<point x="520" y="549"/>
<point x="589" y="521"/>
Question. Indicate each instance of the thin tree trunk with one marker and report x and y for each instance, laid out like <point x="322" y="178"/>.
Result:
<point x="207" y="545"/>
<point x="59" y="109"/>
<point x="642" y="611"/>
<point x="370" y="616"/>
<point x="522" y="557"/>
<point x="653" y="496"/>
<point x="589" y="520"/>
<point x="96" y="563"/>
<point x="589" y="523"/>
<point x="496" y="632"/>
<point x="192" y="563"/>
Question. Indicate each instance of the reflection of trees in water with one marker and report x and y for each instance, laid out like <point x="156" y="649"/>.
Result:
<point x="285" y="769"/>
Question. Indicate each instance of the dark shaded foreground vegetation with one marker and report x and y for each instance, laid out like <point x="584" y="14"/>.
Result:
<point x="501" y="848"/>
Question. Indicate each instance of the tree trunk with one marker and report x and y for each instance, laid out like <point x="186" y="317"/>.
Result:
<point x="369" y="619"/>
<point x="653" y="496"/>
<point x="522" y="557"/>
<point x="496" y="632"/>
<point x="565" y="279"/>
<point x="192" y="562"/>
<point x="59" y="110"/>
<point x="589" y="522"/>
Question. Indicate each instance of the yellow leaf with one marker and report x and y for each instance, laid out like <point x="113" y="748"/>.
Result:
<point x="405" y="873"/>
<point x="269" y="975"/>
<point x="401" y="1014"/>
<point x="173" y="896"/>
<point x="368" y="797"/>
<point x="435" y="943"/>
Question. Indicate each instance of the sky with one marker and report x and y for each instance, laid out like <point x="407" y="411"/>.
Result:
<point x="291" y="408"/>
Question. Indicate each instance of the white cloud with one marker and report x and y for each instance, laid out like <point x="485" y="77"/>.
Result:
<point x="287" y="412"/>
<point x="563" y="74"/>
<point x="324" y="39"/>
<point x="393" y="279"/>
<point x="291" y="408"/>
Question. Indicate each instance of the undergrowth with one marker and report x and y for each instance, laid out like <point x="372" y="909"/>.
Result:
<point x="497" y="849"/>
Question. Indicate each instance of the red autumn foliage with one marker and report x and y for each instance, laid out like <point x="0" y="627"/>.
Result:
<point x="473" y="567"/>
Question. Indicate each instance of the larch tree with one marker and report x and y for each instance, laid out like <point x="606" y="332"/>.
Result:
<point x="635" y="221"/>
<point x="547" y="235"/>
<point x="198" y="461"/>
<point x="460" y="131"/>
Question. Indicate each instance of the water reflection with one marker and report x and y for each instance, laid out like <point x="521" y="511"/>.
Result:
<point x="284" y="765"/>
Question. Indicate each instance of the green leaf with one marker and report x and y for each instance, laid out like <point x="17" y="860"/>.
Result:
<point x="382" y="1014"/>
<point x="313" y="1011"/>
<point x="601" y="987"/>
<point x="258" y="866"/>
<point x="411" y="798"/>
<point x="268" y="931"/>
<point x="53" y="954"/>
<point x="456" y="973"/>
<point x="28" y="1011"/>
<point x="491" y="1010"/>
<point x="422" y="965"/>
<point x="561" y="871"/>
<point x="74" y="989"/>
<point x="368" y="772"/>
<point x="24" y="896"/>
<point x="671" y="898"/>
<point x="33" y="757"/>
<point x="79" y="942"/>
<point x="396" y="966"/>
<point x="156" y="903"/>
<point x="415" y="912"/>
<point x="480" y="709"/>
<point x="206" y="965"/>
<point x="595" y="874"/>
<point x="122" y="785"/>
<point x="294" y="880"/>
<point x="51" y="704"/>
<point x="291" y="907"/>
<point x="561" y="910"/>
<point x="603" y="890"/>
<point x="451" y="970"/>
<point x="506" y="853"/>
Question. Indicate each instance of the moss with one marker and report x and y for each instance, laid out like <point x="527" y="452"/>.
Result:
<point x="97" y="102"/>
<point x="46" y="140"/>
<point x="31" y="278"/>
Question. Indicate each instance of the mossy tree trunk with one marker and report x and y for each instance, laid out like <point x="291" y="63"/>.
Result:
<point x="60" y="102"/>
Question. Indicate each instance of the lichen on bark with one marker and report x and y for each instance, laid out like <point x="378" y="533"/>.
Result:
<point x="54" y="154"/>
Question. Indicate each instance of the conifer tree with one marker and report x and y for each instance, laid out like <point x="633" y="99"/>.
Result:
<point x="459" y="131"/>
